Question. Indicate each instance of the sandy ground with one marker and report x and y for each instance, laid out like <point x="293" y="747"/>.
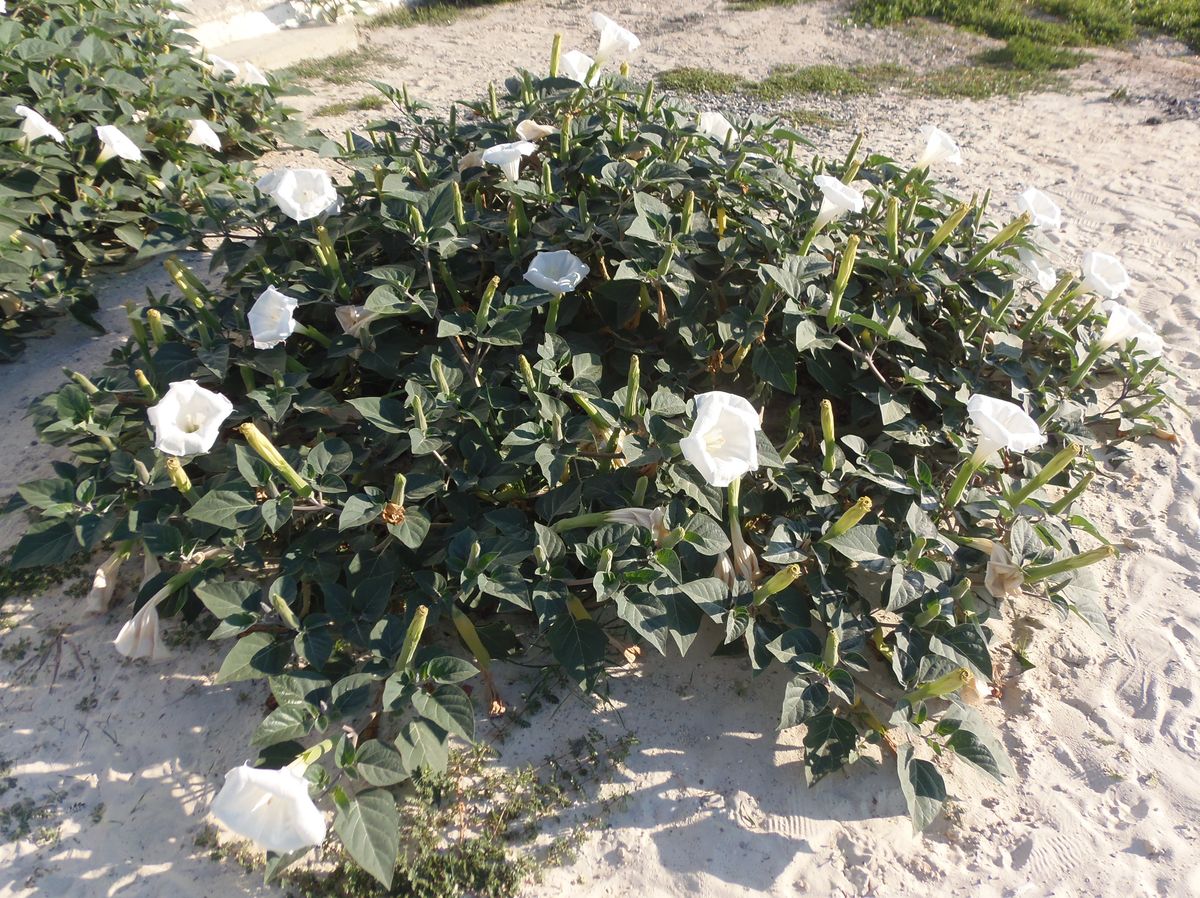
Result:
<point x="121" y="759"/>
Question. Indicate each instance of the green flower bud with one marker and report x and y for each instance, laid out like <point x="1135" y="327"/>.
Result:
<point x="852" y="516"/>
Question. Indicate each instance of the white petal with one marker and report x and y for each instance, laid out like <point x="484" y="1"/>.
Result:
<point x="203" y="135"/>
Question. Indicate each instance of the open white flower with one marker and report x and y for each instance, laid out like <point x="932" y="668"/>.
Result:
<point x="556" y="272"/>
<point x="188" y="418"/>
<point x="1036" y="267"/>
<point x="614" y="40"/>
<point x="35" y="126"/>
<point x="221" y="66"/>
<point x="272" y="318"/>
<point x="141" y="636"/>
<point x="723" y="443"/>
<point x="939" y="147"/>
<point x="301" y="193"/>
<point x="837" y="199"/>
<point x="1126" y="327"/>
<point x="272" y="808"/>
<point x="528" y="129"/>
<point x="203" y="135"/>
<point x="1043" y="211"/>
<point x="253" y="75"/>
<point x="1104" y="275"/>
<point x="717" y="127"/>
<point x="575" y="65"/>
<point x="1003" y="577"/>
<point x="1001" y="425"/>
<point x="353" y="318"/>
<point x="508" y="157"/>
<point x="114" y="142"/>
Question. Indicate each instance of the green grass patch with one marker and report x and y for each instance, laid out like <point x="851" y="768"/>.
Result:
<point x="971" y="82"/>
<point x="791" y="81"/>
<point x="746" y="5"/>
<point x="341" y="68"/>
<point x="689" y="80"/>
<point x="810" y="118"/>
<point x="362" y="104"/>
<point x="1057" y="23"/>
<point x="1028" y="56"/>
<point x="438" y="12"/>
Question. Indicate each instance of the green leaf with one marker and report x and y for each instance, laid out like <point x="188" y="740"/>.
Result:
<point x="801" y="701"/>
<point x="379" y="764"/>
<point x="423" y="746"/>
<point x="830" y="743"/>
<point x="45" y="543"/>
<point x="224" y="508"/>
<point x="776" y="365"/>
<point x="972" y="739"/>
<point x="864" y="543"/>
<point x="966" y="644"/>
<point x="580" y="647"/>
<point x="389" y="415"/>
<point x="254" y="655"/>
<point x="359" y="510"/>
<point x="447" y="669"/>
<point x="370" y="830"/>
<point x="448" y="707"/>
<point x="705" y="535"/>
<point x="284" y="723"/>
<point x="225" y="598"/>
<point x="922" y="785"/>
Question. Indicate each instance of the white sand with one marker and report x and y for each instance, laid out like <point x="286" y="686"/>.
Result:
<point x="1106" y="740"/>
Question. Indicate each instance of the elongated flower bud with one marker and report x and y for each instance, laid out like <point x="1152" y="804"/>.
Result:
<point x="555" y="54"/>
<point x="893" y="225"/>
<point x="632" y="387"/>
<point x="438" y="370"/>
<point x="831" y="654"/>
<point x="777" y="583"/>
<point x="144" y="385"/>
<point x="1053" y="468"/>
<point x="1036" y="572"/>
<point x="941" y="235"/>
<point x="1004" y="236"/>
<point x="485" y="305"/>
<point x="179" y="478"/>
<point x="412" y="637"/>
<point x="850" y="518"/>
<point x="266" y="450"/>
<point x="527" y="375"/>
<point x="843" y="279"/>
<point x="157" y="332"/>
<point x="828" y="436"/>
<point x="941" y="687"/>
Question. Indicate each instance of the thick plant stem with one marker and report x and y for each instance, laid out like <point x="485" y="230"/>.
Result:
<point x="1085" y="366"/>
<point x="969" y="467"/>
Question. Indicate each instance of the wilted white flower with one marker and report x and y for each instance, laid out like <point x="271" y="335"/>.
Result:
<point x="272" y="808"/>
<point x="556" y="272"/>
<point x="653" y="519"/>
<point x="717" y="127"/>
<point x="221" y="66"/>
<point x="252" y="74"/>
<point x="723" y="571"/>
<point x="188" y="418"/>
<point x="353" y="318"/>
<point x="1104" y="275"/>
<point x="473" y="159"/>
<point x="745" y="559"/>
<point x="939" y="147"/>
<point x="272" y="318"/>
<point x="1043" y="211"/>
<point x="528" y="129"/>
<point x="1002" y="425"/>
<point x="300" y="193"/>
<point x="141" y="636"/>
<point x="576" y="65"/>
<point x="508" y="157"/>
<point x="1036" y="267"/>
<point x="202" y="135"/>
<point x="1003" y="577"/>
<point x="723" y="443"/>
<point x="614" y="40"/>
<point x="35" y="126"/>
<point x="837" y="199"/>
<point x="114" y="142"/>
<point x="104" y="584"/>
<point x="1126" y="326"/>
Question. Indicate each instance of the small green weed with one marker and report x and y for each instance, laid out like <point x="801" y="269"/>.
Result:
<point x="362" y="104"/>
<point x="439" y="12"/>
<point x="1028" y="56"/>
<point x="342" y="68"/>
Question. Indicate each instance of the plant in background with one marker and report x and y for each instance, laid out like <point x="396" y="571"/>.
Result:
<point x="701" y="411"/>
<point x="117" y="143"/>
